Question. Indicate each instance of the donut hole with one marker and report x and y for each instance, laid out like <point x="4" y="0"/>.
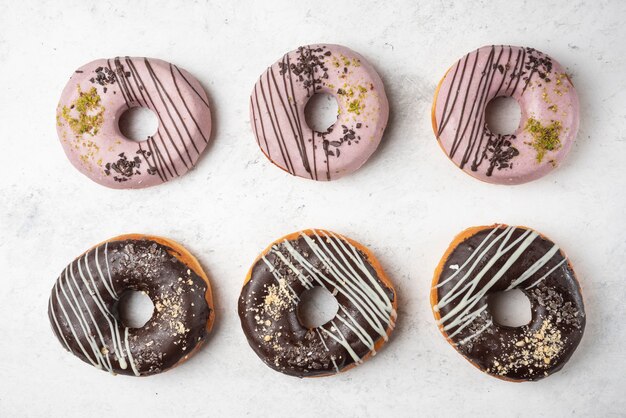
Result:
<point x="503" y="115"/>
<point x="321" y="112"/>
<point x="134" y="309"/>
<point x="138" y="123"/>
<point x="317" y="306"/>
<point x="510" y="308"/>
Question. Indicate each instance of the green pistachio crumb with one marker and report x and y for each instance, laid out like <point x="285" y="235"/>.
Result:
<point x="545" y="138"/>
<point x="90" y="113"/>
<point x="355" y="106"/>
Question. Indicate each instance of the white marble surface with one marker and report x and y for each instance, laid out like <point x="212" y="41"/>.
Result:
<point x="406" y="203"/>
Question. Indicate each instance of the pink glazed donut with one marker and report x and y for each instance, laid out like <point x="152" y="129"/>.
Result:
<point x="281" y="94"/>
<point x="97" y="95"/>
<point x="549" y="114"/>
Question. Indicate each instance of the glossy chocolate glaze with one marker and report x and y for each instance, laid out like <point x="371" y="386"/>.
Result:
<point x="83" y="311"/>
<point x="542" y="272"/>
<point x="269" y="300"/>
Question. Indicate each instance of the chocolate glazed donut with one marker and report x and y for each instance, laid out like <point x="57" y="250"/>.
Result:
<point x="83" y="314"/>
<point x="290" y="266"/>
<point x="489" y="259"/>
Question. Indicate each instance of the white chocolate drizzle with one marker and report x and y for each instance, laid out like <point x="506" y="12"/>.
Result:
<point x="72" y="301"/>
<point x="467" y="293"/>
<point x="345" y="273"/>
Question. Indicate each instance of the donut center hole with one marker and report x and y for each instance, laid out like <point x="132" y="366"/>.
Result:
<point x="503" y="115"/>
<point x="134" y="309"/>
<point x="317" y="306"/>
<point x="321" y="112"/>
<point x="138" y="123"/>
<point x="510" y="308"/>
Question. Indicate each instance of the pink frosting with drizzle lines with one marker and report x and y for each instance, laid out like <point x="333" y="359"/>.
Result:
<point x="548" y="103"/>
<point x="97" y="95"/>
<point x="277" y="111"/>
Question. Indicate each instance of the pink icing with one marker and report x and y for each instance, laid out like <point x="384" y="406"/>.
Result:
<point x="547" y="100"/>
<point x="96" y="96"/>
<point x="277" y="111"/>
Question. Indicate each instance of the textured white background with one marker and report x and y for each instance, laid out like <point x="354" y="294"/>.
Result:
<point x="406" y="203"/>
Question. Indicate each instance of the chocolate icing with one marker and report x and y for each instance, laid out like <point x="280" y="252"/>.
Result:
<point x="83" y="313"/>
<point x="269" y="300"/>
<point x="528" y="262"/>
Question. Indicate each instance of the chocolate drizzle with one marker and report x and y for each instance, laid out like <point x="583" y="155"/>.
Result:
<point x="83" y="314"/>
<point x="269" y="300"/>
<point x="179" y="128"/>
<point x="499" y="259"/>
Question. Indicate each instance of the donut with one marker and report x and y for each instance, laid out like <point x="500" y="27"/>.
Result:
<point x="485" y="260"/>
<point x="284" y="271"/>
<point x="549" y="114"/>
<point x="98" y="93"/>
<point x="83" y="305"/>
<point x="277" y="111"/>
